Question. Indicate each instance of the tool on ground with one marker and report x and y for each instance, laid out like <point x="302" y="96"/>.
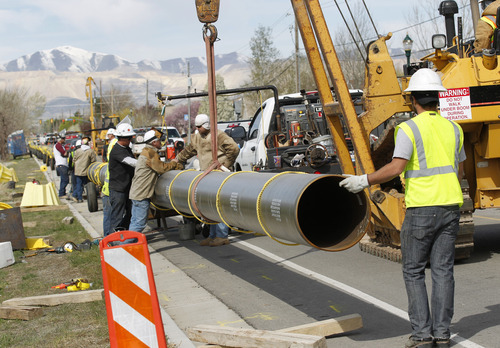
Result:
<point x="74" y="285"/>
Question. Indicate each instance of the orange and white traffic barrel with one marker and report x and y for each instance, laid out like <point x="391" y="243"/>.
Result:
<point x="133" y="311"/>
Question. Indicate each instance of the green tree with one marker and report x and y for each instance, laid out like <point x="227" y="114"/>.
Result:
<point x="225" y="110"/>
<point x="18" y="110"/>
<point x="264" y="60"/>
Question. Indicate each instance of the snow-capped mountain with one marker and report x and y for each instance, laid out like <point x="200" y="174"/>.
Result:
<point x="60" y="74"/>
<point x="72" y="59"/>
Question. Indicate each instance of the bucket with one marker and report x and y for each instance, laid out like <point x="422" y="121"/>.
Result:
<point x="186" y="231"/>
<point x="6" y="254"/>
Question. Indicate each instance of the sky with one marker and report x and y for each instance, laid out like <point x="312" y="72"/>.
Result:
<point x="167" y="29"/>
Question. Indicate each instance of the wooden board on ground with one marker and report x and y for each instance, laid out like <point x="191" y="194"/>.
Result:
<point x="20" y="312"/>
<point x="328" y="327"/>
<point x="57" y="299"/>
<point x="44" y="208"/>
<point x="234" y="337"/>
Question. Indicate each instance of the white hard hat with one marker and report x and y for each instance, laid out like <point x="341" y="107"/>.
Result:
<point x="150" y="136"/>
<point x="202" y="120"/>
<point x="125" y="130"/>
<point x="78" y="142"/>
<point x="425" y="80"/>
<point x="111" y="131"/>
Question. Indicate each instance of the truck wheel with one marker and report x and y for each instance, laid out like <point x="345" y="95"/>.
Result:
<point x="92" y="203"/>
<point x="52" y="163"/>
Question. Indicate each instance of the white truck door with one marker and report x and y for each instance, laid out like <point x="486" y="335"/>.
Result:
<point x="249" y="153"/>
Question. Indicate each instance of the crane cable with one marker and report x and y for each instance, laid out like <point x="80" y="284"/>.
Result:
<point x="350" y="32"/>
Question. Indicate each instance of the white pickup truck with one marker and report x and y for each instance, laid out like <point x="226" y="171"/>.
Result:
<point x="294" y="136"/>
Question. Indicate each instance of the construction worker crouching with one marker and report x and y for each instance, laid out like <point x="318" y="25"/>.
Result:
<point x="486" y="25"/>
<point x="149" y="166"/>
<point x="429" y="151"/>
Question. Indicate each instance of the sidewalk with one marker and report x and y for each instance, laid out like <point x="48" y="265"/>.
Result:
<point x="183" y="302"/>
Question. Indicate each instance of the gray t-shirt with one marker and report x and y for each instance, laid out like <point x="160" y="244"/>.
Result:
<point x="404" y="147"/>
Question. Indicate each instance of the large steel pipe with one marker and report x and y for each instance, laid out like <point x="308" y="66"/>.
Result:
<point x="306" y="209"/>
<point x="96" y="172"/>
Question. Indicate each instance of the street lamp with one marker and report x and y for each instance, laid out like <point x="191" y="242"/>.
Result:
<point x="407" y="45"/>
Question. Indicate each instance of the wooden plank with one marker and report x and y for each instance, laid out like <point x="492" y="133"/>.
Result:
<point x="328" y="327"/>
<point x="57" y="299"/>
<point x="44" y="208"/>
<point x="20" y="312"/>
<point x="235" y="337"/>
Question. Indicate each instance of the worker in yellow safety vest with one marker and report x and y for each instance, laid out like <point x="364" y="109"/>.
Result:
<point x="106" y="204"/>
<point x="429" y="152"/>
<point x="486" y="25"/>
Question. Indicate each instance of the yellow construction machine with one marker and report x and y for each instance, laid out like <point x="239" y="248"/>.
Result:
<point x="472" y="100"/>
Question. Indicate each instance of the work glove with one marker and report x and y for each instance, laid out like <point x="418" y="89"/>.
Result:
<point x="179" y="166"/>
<point x="355" y="183"/>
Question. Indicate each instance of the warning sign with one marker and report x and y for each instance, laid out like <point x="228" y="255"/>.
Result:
<point x="455" y="104"/>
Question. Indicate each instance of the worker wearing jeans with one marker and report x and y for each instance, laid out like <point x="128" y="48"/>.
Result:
<point x="429" y="151"/>
<point x="61" y="166"/>
<point x="149" y="166"/>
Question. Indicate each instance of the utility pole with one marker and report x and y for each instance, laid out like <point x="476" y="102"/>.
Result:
<point x="147" y="100"/>
<point x="297" y="72"/>
<point x="112" y="101"/>
<point x="190" y="82"/>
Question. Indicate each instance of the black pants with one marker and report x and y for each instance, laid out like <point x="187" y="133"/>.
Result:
<point x="121" y="210"/>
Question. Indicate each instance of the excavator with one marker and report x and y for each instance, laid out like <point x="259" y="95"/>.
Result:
<point x="472" y="100"/>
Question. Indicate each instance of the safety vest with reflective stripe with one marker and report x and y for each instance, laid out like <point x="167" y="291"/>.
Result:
<point x="431" y="173"/>
<point x="105" y="187"/>
<point x="492" y="21"/>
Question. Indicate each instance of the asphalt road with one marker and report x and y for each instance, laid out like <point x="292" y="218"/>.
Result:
<point x="272" y="286"/>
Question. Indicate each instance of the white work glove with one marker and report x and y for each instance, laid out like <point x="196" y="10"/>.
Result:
<point x="355" y="183"/>
<point x="224" y="169"/>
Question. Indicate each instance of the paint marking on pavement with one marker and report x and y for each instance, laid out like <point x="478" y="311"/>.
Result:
<point x="335" y="309"/>
<point x="266" y="277"/>
<point x="344" y="287"/>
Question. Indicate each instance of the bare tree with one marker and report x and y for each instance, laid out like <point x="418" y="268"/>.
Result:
<point x="18" y="110"/>
<point x="426" y="21"/>
<point x="175" y="118"/>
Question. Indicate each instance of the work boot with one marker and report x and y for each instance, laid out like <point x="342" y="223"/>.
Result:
<point x="74" y="199"/>
<point x="63" y="197"/>
<point x="442" y="342"/>
<point x="80" y="201"/>
<point x="219" y="241"/>
<point x="419" y="342"/>
<point x="206" y="242"/>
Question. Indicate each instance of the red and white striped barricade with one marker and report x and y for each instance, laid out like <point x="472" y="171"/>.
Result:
<point x="133" y="311"/>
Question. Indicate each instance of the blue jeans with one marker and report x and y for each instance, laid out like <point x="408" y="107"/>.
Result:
<point x="220" y="230"/>
<point x="429" y="233"/>
<point x="80" y="182"/>
<point x="62" y="171"/>
<point x="140" y="210"/>
<point x="106" y="215"/>
<point x="120" y="210"/>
